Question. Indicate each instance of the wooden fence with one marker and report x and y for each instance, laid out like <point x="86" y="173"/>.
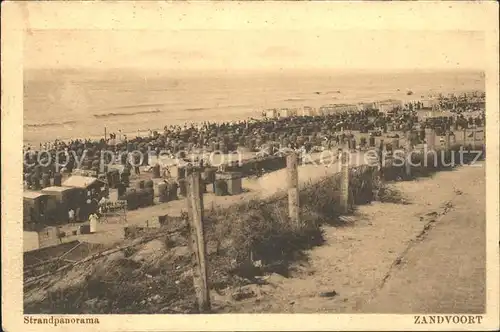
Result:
<point x="195" y="204"/>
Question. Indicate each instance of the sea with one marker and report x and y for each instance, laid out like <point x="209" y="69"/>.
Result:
<point x="67" y="104"/>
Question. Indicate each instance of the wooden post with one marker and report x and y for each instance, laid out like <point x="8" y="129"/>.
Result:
<point x="447" y="140"/>
<point x="344" y="200"/>
<point x="381" y="155"/>
<point x="198" y="245"/>
<point x="473" y="136"/>
<point x="293" y="188"/>
<point x="105" y="133"/>
<point x="408" y="149"/>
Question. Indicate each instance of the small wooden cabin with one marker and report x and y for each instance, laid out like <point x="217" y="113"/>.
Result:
<point x="65" y="195"/>
<point x="38" y="207"/>
<point x="87" y="185"/>
<point x="67" y="198"/>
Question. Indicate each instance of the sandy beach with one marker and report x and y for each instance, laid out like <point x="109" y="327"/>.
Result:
<point x="82" y="104"/>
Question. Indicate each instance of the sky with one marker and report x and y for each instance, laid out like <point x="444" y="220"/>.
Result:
<point x="254" y="49"/>
<point x="254" y="35"/>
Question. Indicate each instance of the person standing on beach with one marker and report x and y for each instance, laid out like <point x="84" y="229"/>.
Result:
<point x="71" y="215"/>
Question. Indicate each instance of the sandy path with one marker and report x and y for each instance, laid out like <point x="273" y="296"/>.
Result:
<point x="356" y="259"/>
<point x="445" y="272"/>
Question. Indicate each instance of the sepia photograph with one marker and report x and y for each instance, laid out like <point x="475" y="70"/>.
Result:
<point x="185" y="167"/>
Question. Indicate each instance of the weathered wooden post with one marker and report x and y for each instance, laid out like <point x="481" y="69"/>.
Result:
<point x="408" y="148"/>
<point x="381" y="156"/>
<point x="447" y="140"/>
<point x="293" y="187"/>
<point x="344" y="185"/>
<point x="198" y="245"/>
<point x="473" y="137"/>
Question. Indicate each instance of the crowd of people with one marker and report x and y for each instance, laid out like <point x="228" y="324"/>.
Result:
<point x="459" y="103"/>
<point x="40" y="165"/>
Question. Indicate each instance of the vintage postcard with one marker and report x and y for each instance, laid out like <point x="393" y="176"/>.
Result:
<point x="191" y="166"/>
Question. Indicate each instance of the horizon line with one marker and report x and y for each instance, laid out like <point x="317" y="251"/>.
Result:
<point x="339" y="70"/>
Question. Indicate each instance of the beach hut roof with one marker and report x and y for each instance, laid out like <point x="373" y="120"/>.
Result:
<point x="78" y="181"/>
<point x="33" y="194"/>
<point x="55" y="189"/>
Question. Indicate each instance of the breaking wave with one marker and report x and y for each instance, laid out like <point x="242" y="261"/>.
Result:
<point x="295" y="99"/>
<point x="140" y="105"/>
<point x="49" y="124"/>
<point x="110" y="115"/>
